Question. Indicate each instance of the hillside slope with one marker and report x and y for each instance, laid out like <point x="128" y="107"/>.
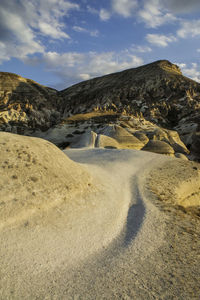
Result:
<point x="25" y="104"/>
<point x="158" y="90"/>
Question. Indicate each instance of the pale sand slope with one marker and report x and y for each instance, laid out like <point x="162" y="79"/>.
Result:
<point x="92" y="231"/>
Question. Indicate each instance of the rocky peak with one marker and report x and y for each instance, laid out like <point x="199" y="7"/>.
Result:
<point x="167" y="66"/>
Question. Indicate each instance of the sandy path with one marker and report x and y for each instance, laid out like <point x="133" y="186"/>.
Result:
<point x="117" y="245"/>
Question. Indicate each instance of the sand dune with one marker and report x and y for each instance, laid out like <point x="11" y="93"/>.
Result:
<point x="86" y="224"/>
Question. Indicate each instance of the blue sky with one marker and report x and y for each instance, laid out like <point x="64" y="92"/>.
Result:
<point x="59" y="42"/>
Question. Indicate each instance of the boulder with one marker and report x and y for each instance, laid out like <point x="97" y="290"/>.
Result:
<point x="176" y="142"/>
<point x="159" y="147"/>
<point x="180" y="155"/>
<point x="104" y="141"/>
<point x="158" y="135"/>
<point x="141" y="136"/>
<point x="123" y="137"/>
<point x="85" y="140"/>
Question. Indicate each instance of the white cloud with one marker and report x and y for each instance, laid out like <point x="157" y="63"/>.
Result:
<point x="191" y="71"/>
<point x="198" y="50"/>
<point x="141" y="49"/>
<point x="50" y="30"/>
<point x="104" y="14"/>
<point x="154" y="15"/>
<point x="23" y="24"/>
<point x="182" y="65"/>
<point x="189" y="29"/>
<point x="84" y="76"/>
<point x="3" y="53"/>
<point x="93" y="33"/>
<point x="92" y="10"/>
<point x="79" y="29"/>
<point x="160" y="40"/>
<point x="182" y="6"/>
<point x="124" y="8"/>
<point x="55" y="61"/>
<point x="73" y="67"/>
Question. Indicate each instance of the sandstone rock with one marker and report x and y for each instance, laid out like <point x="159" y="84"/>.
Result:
<point x="158" y="135"/>
<point x="141" y="136"/>
<point x="159" y="147"/>
<point x="85" y="140"/>
<point x="104" y="141"/>
<point x="123" y="137"/>
<point x="176" y="142"/>
<point x="180" y="155"/>
<point x="34" y="177"/>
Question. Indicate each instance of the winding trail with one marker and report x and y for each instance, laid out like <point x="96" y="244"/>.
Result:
<point x="124" y="172"/>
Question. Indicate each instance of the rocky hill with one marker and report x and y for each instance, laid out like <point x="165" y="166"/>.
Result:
<point x="26" y="105"/>
<point x="154" y="102"/>
<point x="158" y="90"/>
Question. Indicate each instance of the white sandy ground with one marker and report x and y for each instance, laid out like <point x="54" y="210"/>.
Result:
<point x="111" y="240"/>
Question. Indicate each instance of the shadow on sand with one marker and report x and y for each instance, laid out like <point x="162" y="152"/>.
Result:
<point x="135" y="217"/>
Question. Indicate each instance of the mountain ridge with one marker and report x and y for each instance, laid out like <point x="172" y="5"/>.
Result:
<point x="157" y="93"/>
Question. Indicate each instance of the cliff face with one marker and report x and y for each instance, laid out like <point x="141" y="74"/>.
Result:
<point x="25" y="104"/>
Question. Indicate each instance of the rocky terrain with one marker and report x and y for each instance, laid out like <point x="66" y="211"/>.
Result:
<point x="127" y="109"/>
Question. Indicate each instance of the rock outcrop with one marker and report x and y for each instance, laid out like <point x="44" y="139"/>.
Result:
<point x="35" y="177"/>
<point x="159" y="147"/>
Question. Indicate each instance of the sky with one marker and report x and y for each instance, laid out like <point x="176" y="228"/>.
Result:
<point x="59" y="43"/>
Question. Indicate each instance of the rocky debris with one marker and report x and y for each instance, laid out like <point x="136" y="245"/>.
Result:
<point x="159" y="147"/>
